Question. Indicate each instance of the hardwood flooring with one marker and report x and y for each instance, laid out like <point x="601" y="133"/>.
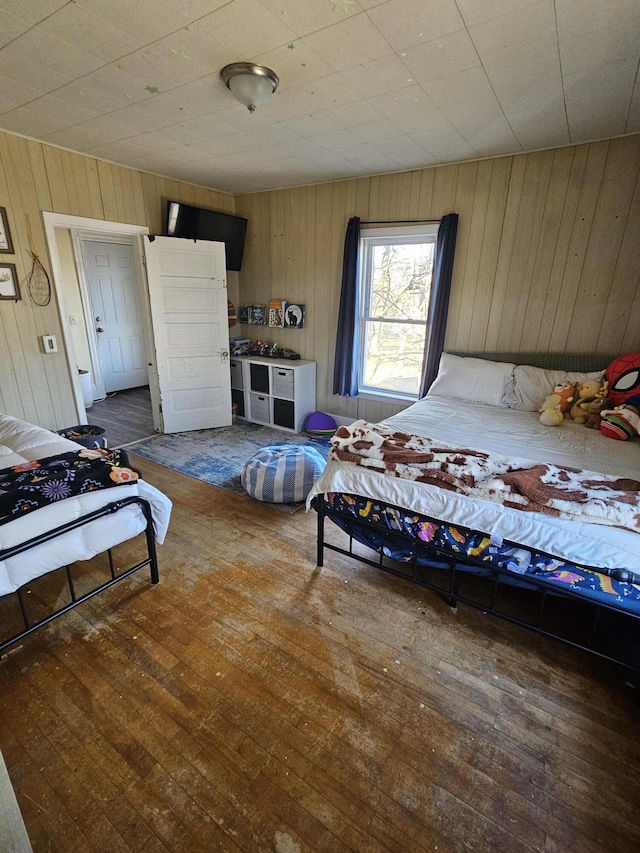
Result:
<point x="252" y="702"/>
<point x="126" y="416"/>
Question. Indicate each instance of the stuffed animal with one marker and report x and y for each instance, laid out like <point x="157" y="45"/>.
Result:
<point x="557" y="403"/>
<point x="623" y="376"/>
<point x="586" y="392"/>
<point x="622" y="423"/>
<point x="594" y="411"/>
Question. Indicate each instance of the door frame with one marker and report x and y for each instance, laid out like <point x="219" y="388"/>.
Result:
<point x="100" y="229"/>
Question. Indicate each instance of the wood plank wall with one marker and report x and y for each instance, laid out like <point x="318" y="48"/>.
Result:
<point x="35" y="178"/>
<point x="548" y="253"/>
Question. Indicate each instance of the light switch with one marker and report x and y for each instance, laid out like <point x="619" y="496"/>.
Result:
<point x="49" y="343"/>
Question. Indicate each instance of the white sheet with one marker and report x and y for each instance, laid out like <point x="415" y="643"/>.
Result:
<point x="20" y="442"/>
<point x="510" y="433"/>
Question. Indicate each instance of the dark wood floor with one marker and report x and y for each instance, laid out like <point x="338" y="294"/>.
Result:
<point x="252" y="702"/>
<point x="125" y="415"/>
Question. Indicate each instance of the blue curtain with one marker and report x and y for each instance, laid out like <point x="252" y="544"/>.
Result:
<point x="345" y="370"/>
<point x="439" y="299"/>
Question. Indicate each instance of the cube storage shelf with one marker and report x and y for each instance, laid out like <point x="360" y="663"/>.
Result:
<point x="273" y="391"/>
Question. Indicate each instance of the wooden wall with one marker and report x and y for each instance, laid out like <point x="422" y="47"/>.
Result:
<point x="35" y="178"/>
<point x="548" y="253"/>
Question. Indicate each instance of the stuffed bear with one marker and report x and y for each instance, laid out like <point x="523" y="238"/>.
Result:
<point x="622" y="423"/>
<point x="594" y="411"/>
<point x="557" y="403"/>
<point x="586" y="393"/>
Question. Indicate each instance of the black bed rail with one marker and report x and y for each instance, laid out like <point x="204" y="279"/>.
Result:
<point x="150" y="560"/>
<point x="458" y="567"/>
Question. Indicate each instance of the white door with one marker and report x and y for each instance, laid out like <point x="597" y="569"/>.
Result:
<point x="115" y="305"/>
<point x="188" y="297"/>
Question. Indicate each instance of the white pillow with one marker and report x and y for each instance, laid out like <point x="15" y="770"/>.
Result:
<point x="532" y="385"/>
<point x="472" y="379"/>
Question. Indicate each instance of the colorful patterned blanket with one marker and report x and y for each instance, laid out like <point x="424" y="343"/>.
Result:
<point x="535" y="487"/>
<point x="31" y="485"/>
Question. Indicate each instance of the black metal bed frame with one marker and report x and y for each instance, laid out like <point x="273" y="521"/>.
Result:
<point x="432" y="560"/>
<point x="150" y="560"/>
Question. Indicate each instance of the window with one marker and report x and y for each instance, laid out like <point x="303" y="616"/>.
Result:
<point x="396" y="265"/>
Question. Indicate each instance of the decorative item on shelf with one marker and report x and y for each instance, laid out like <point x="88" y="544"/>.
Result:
<point x="6" y="243"/>
<point x="294" y="316"/>
<point x="239" y="346"/>
<point x="257" y="315"/>
<point x="9" y="287"/>
<point x="243" y="314"/>
<point x="276" y="312"/>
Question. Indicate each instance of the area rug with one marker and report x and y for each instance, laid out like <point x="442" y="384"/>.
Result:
<point x="218" y="456"/>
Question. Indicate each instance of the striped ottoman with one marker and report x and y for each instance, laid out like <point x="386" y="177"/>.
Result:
<point x="282" y="474"/>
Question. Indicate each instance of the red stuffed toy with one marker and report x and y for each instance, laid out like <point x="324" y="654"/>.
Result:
<point x="623" y="376"/>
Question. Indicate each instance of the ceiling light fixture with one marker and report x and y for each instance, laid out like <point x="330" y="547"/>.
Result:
<point x="250" y="84"/>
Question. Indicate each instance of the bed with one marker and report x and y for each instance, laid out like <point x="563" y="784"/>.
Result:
<point x="571" y="573"/>
<point x="69" y="530"/>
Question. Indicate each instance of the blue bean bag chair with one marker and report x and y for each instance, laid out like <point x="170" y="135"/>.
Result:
<point x="283" y="473"/>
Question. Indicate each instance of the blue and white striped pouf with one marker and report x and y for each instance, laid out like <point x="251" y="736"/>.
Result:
<point x="282" y="474"/>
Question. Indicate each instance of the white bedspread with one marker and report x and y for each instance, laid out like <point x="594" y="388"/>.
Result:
<point x="20" y="442"/>
<point x="509" y="433"/>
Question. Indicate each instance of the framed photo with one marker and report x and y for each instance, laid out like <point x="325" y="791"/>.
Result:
<point x="294" y="316"/>
<point x="9" y="288"/>
<point x="6" y="244"/>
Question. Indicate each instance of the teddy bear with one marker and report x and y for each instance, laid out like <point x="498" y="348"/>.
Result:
<point x="557" y="403"/>
<point x="594" y="411"/>
<point x="622" y="423"/>
<point x="586" y="393"/>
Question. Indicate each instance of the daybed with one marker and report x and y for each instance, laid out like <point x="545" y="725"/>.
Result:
<point x="70" y="529"/>
<point x="569" y="569"/>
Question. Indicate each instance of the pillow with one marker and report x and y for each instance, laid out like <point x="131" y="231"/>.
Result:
<point x="472" y="379"/>
<point x="532" y="385"/>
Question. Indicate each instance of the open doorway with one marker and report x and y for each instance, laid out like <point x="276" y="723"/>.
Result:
<point x="104" y="314"/>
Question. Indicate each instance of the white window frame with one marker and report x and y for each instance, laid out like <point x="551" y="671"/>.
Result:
<point x="370" y="238"/>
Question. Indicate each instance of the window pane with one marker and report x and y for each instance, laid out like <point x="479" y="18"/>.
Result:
<point x="401" y="280"/>
<point x="393" y="356"/>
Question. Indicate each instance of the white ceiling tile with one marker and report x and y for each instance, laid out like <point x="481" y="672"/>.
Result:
<point x="445" y="146"/>
<point x="512" y="37"/>
<point x="598" y="100"/>
<point x="456" y="88"/>
<point x="408" y="103"/>
<point x="450" y="54"/>
<point x="478" y="11"/>
<point x="603" y="46"/>
<point x="241" y="30"/>
<point x="348" y="43"/>
<point x="307" y="16"/>
<point x="294" y="64"/>
<point x="123" y="151"/>
<point x="74" y="25"/>
<point x="155" y="18"/>
<point x="44" y="115"/>
<point x="10" y="27"/>
<point x="580" y="16"/>
<point x="375" y="131"/>
<point x="32" y="11"/>
<point x="96" y="131"/>
<point x="13" y="94"/>
<point x="413" y="159"/>
<point x="398" y="144"/>
<point x="409" y="22"/>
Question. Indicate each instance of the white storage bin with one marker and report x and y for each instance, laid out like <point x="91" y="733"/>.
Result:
<point x="260" y="405"/>
<point x="282" y="382"/>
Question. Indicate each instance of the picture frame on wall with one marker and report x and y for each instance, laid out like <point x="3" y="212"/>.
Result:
<point x="6" y="243"/>
<point x="9" y="287"/>
<point x="294" y="316"/>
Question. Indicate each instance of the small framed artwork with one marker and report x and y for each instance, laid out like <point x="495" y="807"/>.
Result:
<point x="276" y="312"/>
<point x="6" y="244"/>
<point x="294" y="316"/>
<point x="9" y="288"/>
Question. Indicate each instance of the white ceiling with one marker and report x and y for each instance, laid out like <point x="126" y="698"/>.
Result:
<point x="366" y="86"/>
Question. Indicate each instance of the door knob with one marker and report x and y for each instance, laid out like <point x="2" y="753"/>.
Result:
<point x="99" y="329"/>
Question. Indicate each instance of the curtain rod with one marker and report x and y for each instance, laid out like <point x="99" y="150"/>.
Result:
<point x="398" y="221"/>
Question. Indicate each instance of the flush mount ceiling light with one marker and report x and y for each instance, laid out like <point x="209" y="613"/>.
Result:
<point x="250" y="84"/>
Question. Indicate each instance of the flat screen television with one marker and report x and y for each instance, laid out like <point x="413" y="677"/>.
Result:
<point x="197" y="223"/>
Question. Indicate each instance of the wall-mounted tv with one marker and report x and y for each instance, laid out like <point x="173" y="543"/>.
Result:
<point x="197" y="223"/>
